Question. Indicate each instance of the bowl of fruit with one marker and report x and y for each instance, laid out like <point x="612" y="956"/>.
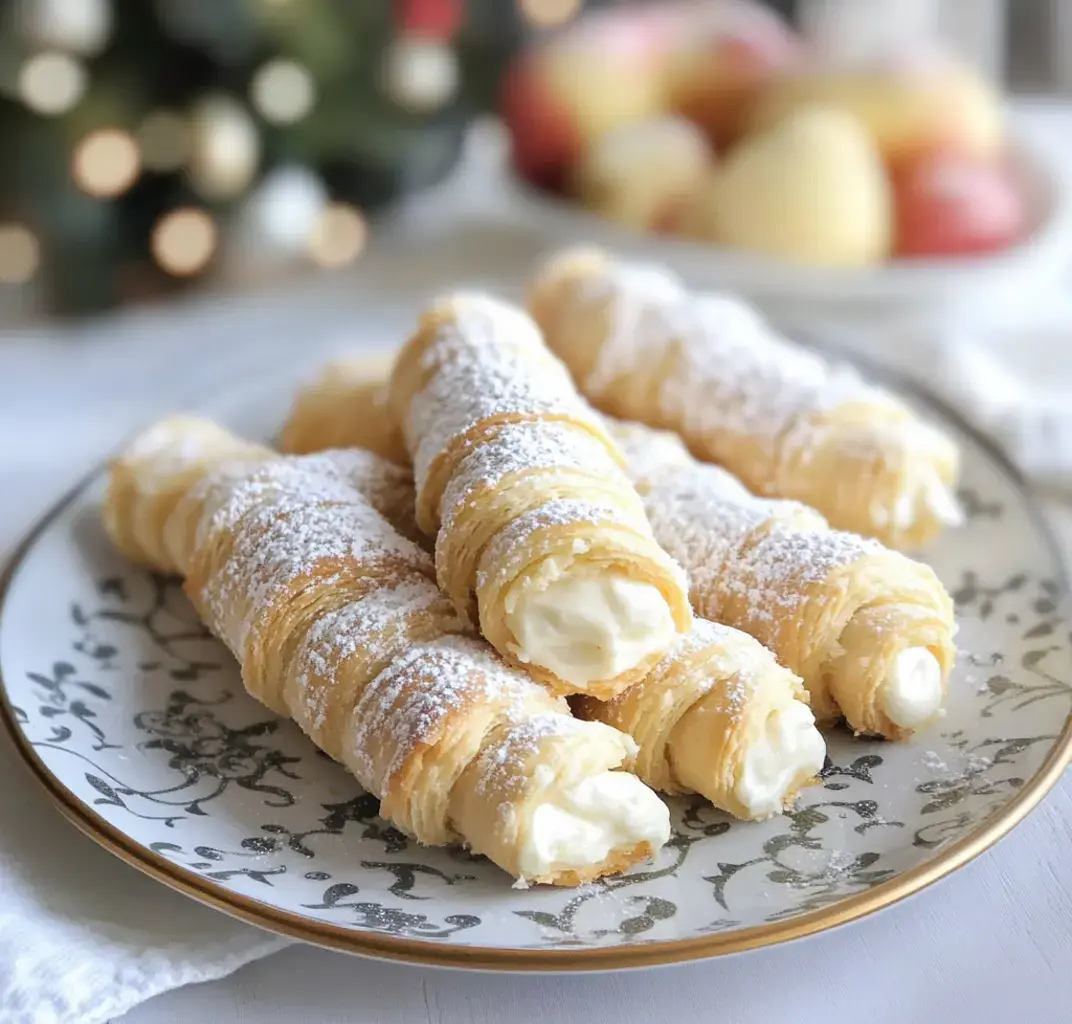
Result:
<point x="708" y="135"/>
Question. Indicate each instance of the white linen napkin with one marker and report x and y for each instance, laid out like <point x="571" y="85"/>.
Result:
<point x="1010" y="380"/>
<point x="83" y="937"/>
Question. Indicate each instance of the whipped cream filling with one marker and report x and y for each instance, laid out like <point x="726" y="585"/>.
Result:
<point x="588" y="628"/>
<point x="930" y="495"/>
<point x="781" y="756"/>
<point x="911" y="693"/>
<point x="583" y="825"/>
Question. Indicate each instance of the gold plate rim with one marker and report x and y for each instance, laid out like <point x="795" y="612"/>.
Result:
<point x="651" y="954"/>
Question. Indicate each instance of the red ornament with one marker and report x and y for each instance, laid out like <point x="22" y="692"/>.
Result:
<point x="430" y="19"/>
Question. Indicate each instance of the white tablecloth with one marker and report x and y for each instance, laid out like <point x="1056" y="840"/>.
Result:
<point x="991" y="943"/>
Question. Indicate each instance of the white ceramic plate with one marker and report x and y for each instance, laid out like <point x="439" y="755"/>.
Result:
<point x="793" y="292"/>
<point x="136" y="723"/>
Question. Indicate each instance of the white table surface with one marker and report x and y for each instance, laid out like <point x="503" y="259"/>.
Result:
<point x="992" y="943"/>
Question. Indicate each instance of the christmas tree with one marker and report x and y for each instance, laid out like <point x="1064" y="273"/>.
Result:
<point x="149" y="144"/>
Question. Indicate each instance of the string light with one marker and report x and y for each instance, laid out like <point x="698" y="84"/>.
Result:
<point x="184" y="240"/>
<point x="421" y="74"/>
<point x="286" y="208"/>
<point x="164" y="141"/>
<point x="548" y="13"/>
<point x="20" y="254"/>
<point x="51" y="83"/>
<point x="283" y="91"/>
<point x="225" y="148"/>
<point x="338" y="237"/>
<point x="81" y="26"/>
<point x="106" y="163"/>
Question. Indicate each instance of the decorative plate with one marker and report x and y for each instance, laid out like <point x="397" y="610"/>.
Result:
<point x="136" y="723"/>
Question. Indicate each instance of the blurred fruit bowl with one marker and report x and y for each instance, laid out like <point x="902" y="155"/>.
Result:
<point x="920" y="286"/>
<point x="705" y="134"/>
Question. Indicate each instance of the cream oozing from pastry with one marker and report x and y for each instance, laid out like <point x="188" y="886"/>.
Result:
<point x="586" y="628"/>
<point x="584" y="824"/>
<point x="911" y="693"/>
<point x="928" y="495"/>
<point x="781" y="757"/>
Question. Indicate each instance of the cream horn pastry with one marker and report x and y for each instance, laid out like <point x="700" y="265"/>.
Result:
<point x="786" y="422"/>
<point x="868" y="629"/>
<point x="540" y="536"/>
<point x="717" y="716"/>
<point x="346" y="405"/>
<point x="347" y="399"/>
<point x="720" y="717"/>
<point x="337" y="623"/>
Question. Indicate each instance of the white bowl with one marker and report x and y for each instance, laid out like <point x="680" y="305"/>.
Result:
<point x="916" y="289"/>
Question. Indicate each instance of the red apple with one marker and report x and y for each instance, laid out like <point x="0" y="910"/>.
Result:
<point x="954" y="204"/>
<point x="558" y="98"/>
<point x="725" y="53"/>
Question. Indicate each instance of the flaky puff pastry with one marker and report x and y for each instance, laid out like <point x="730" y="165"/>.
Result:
<point x="852" y="618"/>
<point x="337" y="623"/>
<point x="525" y="495"/>
<point x="346" y="405"/>
<point x="782" y="419"/>
<point x="716" y="707"/>
<point x="347" y="398"/>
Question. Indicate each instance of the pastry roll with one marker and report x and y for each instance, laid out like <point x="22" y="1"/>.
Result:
<point x="869" y="630"/>
<point x="540" y="537"/>
<point x="147" y="483"/>
<point x="347" y="399"/>
<point x="346" y="406"/>
<point x="782" y="419"/>
<point x="337" y="622"/>
<point x="720" y="717"/>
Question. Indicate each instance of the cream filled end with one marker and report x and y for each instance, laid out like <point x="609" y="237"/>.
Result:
<point x="586" y="823"/>
<point x="588" y="628"/>
<point x="911" y="694"/>
<point x="781" y="757"/>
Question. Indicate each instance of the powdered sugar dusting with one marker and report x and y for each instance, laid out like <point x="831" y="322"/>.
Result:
<point x="289" y="517"/>
<point x="385" y="486"/>
<point x="735" y="376"/>
<point x="506" y="762"/>
<point x="642" y="299"/>
<point x="784" y="565"/>
<point x="374" y="624"/>
<point x="705" y="519"/>
<point x="556" y="513"/>
<point x="489" y="361"/>
<point x="522" y="447"/>
<point x="702" y="514"/>
<point x="750" y="660"/>
<point x="650" y="455"/>
<point x="413" y="699"/>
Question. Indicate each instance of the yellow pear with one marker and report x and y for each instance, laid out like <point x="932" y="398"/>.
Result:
<point x="811" y="189"/>
<point x="907" y="110"/>
<point x="643" y="173"/>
